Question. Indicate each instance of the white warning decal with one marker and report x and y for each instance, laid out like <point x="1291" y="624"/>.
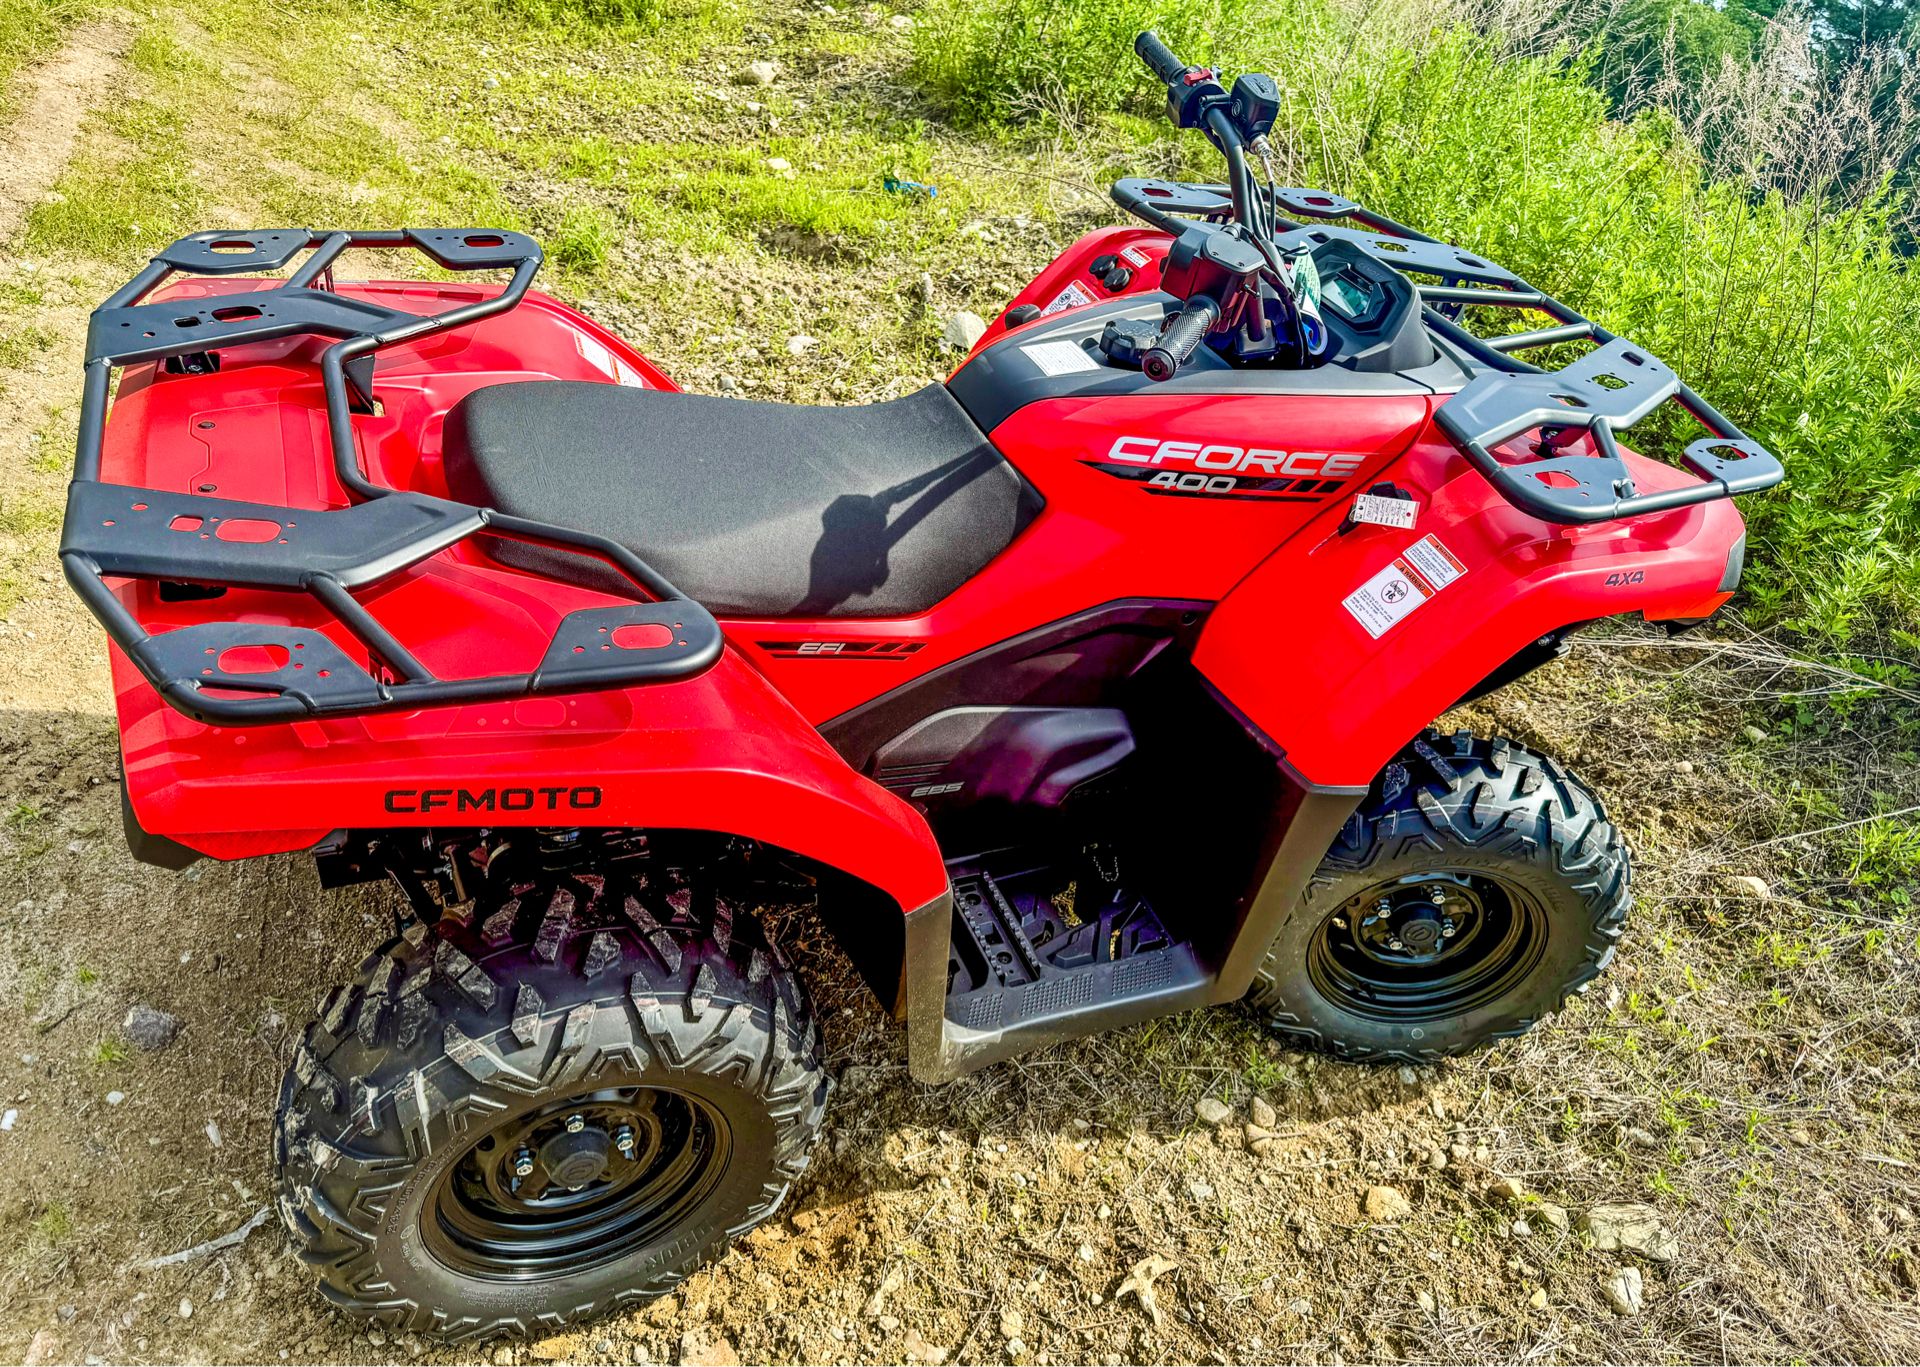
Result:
<point x="1425" y="568"/>
<point x="1059" y="357"/>
<point x="1134" y="257"/>
<point x="1071" y="297"/>
<point x="1435" y="562"/>
<point x="607" y="363"/>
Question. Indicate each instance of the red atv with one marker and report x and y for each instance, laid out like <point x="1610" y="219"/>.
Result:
<point x="1089" y="686"/>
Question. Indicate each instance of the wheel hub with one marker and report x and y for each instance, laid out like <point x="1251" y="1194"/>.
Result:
<point x="575" y="1159"/>
<point x="1420" y="932"/>
<point x="1429" y="945"/>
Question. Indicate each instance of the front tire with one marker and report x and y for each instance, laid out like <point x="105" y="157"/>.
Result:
<point x="1477" y="887"/>
<point x="563" y="1105"/>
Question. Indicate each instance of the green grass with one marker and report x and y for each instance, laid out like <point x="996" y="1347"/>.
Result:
<point x="30" y="29"/>
<point x="1522" y="159"/>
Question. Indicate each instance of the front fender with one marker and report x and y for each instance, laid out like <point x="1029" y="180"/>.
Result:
<point x="1291" y="649"/>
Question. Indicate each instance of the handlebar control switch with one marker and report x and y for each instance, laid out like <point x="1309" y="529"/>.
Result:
<point x="1256" y="104"/>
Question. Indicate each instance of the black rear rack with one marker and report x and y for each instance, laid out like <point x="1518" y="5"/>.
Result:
<point x="122" y="531"/>
<point x="1604" y="391"/>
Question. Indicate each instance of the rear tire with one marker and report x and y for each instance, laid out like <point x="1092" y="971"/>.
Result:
<point x="1477" y="887"/>
<point x="562" y="1105"/>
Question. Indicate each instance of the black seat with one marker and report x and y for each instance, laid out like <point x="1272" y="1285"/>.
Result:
<point x="753" y="509"/>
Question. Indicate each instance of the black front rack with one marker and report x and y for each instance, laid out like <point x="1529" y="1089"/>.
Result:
<point x="126" y="532"/>
<point x="1604" y="391"/>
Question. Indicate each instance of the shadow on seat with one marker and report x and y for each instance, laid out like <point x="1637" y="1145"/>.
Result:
<point x="753" y="509"/>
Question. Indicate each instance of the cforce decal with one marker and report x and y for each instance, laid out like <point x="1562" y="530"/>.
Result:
<point x="1220" y="470"/>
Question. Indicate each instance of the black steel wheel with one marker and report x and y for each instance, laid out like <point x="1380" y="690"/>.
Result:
<point x="561" y="1104"/>
<point x="580" y="1181"/>
<point x="1477" y="886"/>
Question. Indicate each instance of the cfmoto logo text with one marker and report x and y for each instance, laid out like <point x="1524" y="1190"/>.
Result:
<point x="562" y="799"/>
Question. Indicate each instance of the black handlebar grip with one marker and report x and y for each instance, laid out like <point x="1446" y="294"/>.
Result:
<point x="1159" y="58"/>
<point x="1183" y="336"/>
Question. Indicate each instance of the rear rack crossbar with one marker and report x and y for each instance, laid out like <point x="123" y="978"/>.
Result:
<point x="203" y="546"/>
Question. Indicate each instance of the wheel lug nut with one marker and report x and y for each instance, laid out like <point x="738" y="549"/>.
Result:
<point x="1449" y="931"/>
<point x="523" y="1163"/>
<point x="575" y="1124"/>
<point x="1339" y="923"/>
<point x="1395" y="944"/>
<point x="623" y="1140"/>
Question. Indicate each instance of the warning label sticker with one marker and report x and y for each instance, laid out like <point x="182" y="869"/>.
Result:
<point x="1421" y="571"/>
<point x="607" y="363"/>
<point x="1072" y="296"/>
<point x="1434" y="561"/>
<point x="1134" y="257"/>
<point x="1059" y="358"/>
<point x="1377" y="510"/>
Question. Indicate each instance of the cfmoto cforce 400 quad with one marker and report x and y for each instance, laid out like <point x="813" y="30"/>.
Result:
<point x="1091" y="685"/>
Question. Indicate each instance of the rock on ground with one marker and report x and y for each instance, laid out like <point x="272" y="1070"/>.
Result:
<point x="698" y="1350"/>
<point x="962" y="331"/>
<point x="1386" y="1204"/>
<point x="1629" y="1227"/>
<point x="1212" y="1111"/>
<point x="150" y="1028"/>
<point x="1625" y="1291"/>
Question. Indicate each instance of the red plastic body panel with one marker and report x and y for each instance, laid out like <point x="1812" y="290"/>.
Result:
<point x="1068" y="283"/>
<point x="721" y="751"/>
<point x="1286" y="651"/>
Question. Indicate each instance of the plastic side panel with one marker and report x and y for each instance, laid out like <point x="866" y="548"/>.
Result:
<point x="720" y="752"/>
<point x="1105" y="538"/>
<point x="1290" y="652"/>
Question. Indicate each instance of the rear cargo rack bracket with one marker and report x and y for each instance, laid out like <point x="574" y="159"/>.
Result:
<point x="197" y="547"/>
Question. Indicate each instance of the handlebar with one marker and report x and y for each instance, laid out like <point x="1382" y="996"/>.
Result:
<point x="1182" y="337"/>
<point x="1159" y="58"/>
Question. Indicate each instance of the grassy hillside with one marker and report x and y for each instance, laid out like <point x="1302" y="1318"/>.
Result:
<point x="1784" y="295"/>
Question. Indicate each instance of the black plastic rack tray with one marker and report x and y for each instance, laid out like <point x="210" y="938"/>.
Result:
<point x="122" y="531"/>
<point x="1604" y="391"/>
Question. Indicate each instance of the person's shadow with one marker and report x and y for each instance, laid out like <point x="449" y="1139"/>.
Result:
<point x="856" y="537"/>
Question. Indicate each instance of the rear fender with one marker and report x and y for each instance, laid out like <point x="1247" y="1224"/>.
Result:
<point x="1289" y="650"/>
<point x="719" y="752"/>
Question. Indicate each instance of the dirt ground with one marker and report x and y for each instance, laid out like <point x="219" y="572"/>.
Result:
<point x="1746" y="1067"/>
